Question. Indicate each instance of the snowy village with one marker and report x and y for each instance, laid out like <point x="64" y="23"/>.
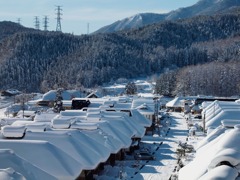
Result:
<point x="120" y="90"/>
<point x="62" y="135"/>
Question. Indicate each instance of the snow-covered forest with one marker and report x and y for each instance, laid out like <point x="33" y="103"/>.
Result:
<point x="215" y="78"/>
<point x="33" y="60"/>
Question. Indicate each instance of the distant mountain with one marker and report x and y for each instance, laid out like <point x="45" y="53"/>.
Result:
<point x="136" y="21"/>
<point x="202" y="7"/>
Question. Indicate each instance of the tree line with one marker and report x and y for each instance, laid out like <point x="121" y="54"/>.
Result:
<point x="215" y="78"/>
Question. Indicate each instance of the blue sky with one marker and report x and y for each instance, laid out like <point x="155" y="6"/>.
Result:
<point x="77" y="14"/>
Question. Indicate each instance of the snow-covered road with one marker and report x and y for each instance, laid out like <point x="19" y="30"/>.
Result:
<point x="166" y="158"/>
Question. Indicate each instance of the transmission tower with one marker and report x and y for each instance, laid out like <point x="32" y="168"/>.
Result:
<point x="37" y="23"/>
<point x="87" y="28"/>
<point x="19" y="21"/>
<point x="59" y="10"/>
<point x="45" y="23"/>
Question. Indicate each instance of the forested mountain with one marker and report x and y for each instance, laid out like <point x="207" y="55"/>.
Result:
<point x="202" y="7"/>
<point x="36" y="60"/>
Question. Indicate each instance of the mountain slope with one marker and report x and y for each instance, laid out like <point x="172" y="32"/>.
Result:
<point x="136" y="21"/>
<point x="202" y="7"/>
<point x="46" y="60"/>
<point x="8" y="28"/>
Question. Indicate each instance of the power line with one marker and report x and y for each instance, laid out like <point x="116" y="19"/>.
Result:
<point x="59" y="10"/>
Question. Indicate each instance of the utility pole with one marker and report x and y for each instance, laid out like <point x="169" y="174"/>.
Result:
<point x="37" y="23"/>
<point x="45" y="23"/>
<point x="59" y="10"/>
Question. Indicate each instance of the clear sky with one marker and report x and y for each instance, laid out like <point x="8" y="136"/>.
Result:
<point x="77" y="14"/>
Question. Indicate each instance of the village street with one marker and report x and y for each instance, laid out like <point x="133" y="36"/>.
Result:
<point x="163" y="167"/>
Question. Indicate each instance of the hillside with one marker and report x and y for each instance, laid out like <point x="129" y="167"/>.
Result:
<point x="34" y="61"/>
<point x="202" y="7"/>
<point x="8" y="28"/>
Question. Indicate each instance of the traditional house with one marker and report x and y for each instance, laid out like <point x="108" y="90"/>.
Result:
<point x="218" y="159"/>
<point x="49" y="97"/>
<point x="10" y="92"/>
<point x="94" y="94"/>
<point x="177" y="104"/>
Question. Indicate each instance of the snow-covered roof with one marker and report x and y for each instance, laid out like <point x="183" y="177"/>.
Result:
<point x="229" y="123"/>
<point x="20" y="165"/>
<point x="145" y="109"/>
<point x="93" y="142"/>
<point x="140" y="101"/>
<point x="232" y="114"/>
<point x="208" y="157"/>
<point x="121" y="124"/>
<point x="140" y="119"/>
<point x="136" y="129"/>
<point x="14" y="108"/>
<point x="46" y="157"/>
<point x="10" y="173"/>
<point x="116" y="132"/>
<point x="105" y="139"/>
<point x="11" y="120"/>
<point x="62" y="123"/>
<point x="94" y="94"/>
<point x="211" y="136"/>
<point x="122" y="106"/>
<point x="31" y="123"/>
<point x="70" y="145"/>
<point x="131" y="124"/>
<point x="225" y="154"/>
<point x="205" y="104"/>
<point x="66" y="95"/>
<point x="13" y="131"/>
<point x="221" y="172"/>
<point x="216" y="107"/>
<point x="123" y="99"/>
<point x="176" y="102"/>
<point x="44" y="116"/>
<point x="13" y="91"/>
<point x="26" y="113"/>
<point x="73" y="113"/>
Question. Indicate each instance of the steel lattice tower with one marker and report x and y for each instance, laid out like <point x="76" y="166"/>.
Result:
<point x="37" y="23"/>
<point x="58" y="9"/>
<point x="45" y="23"/>
<point x="87" y="28"/>
<point x="19" y="21"/>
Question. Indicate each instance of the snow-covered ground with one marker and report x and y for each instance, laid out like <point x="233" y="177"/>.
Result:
<point x="4" y="102"/>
